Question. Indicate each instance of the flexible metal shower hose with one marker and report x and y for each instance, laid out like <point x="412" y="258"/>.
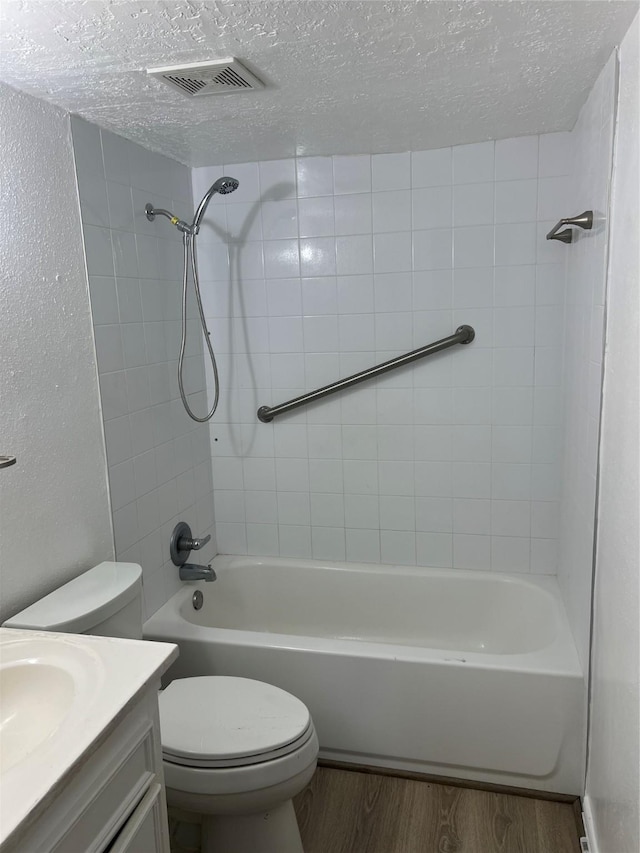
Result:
<point x="189" y="244"/>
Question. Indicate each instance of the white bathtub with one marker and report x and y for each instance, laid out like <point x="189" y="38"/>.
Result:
<point x="466" y="674"/>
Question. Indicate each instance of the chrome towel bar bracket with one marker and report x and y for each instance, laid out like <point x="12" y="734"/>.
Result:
<point x="462" y="335"/>
<point x="583" y="220"/>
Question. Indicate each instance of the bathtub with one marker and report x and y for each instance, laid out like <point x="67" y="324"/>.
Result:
<point x="462" y="674"/>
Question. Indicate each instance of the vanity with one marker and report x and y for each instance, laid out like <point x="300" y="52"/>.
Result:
<point x="80" y="753"/>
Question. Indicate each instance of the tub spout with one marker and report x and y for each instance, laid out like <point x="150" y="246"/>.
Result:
<point x="191" y="572"/>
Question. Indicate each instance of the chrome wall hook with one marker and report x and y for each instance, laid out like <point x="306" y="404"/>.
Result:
<point x="583" y="220"/>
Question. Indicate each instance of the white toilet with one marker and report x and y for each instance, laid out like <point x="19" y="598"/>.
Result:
<point x="236" y="751"/>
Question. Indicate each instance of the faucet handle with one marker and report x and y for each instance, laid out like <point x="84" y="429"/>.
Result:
<point x="188" y="544"/>
<point x="183" y="542"/>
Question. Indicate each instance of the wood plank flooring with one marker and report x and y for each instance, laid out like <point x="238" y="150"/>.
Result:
<point x="344" y="811"/>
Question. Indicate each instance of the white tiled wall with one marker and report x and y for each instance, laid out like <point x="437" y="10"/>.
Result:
<point x="159" y="460"/>
<point x="591" y="145"/>
<point x="318" y="267"/>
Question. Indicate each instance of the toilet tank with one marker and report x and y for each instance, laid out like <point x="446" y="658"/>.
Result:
<point x="106" y="600"/>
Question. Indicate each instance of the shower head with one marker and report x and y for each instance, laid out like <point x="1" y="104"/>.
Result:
<point x="224" y="186"/>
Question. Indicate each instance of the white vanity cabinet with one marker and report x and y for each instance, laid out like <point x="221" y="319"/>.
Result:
<point x="96" y="785"/>
<point x="114" y="801"/>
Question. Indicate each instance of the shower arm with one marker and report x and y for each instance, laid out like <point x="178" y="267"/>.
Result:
<point x="180" y="224"/>
<point x="224" y="185"/>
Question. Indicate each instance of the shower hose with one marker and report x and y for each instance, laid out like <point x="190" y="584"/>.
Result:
<point x="189" y="255"/>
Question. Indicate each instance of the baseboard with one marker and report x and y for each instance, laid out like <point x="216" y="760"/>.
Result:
<point x="450" y="781"/>
<point x="589" y="828"/>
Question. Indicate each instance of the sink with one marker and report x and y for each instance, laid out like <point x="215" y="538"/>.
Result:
<point x="44" y="685"/>
<point x="36" y="697"/>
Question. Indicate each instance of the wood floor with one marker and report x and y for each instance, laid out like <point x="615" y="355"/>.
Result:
<point x="343" y="811"/>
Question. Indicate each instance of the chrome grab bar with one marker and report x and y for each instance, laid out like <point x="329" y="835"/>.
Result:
<point x="462" y="335"/>
<point x="583" y="220"/>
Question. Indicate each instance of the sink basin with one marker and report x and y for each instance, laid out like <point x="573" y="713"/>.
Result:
<point x="44" y="683"/>
<point x="35" y="699"/>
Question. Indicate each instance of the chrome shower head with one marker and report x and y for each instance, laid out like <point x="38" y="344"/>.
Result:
<point x="224" y="186"/>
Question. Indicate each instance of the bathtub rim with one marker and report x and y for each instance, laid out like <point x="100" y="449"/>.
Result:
<point x="559" y="658"/>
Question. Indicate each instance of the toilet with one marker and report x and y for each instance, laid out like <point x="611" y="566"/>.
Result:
<point x="235" y="751"/>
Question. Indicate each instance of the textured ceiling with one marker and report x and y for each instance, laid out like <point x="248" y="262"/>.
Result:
<point x="341" y="77"/>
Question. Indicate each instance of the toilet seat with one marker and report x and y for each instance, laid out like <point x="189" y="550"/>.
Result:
<point x="212" y="764"/>
<point x="213" y="722"/>
<point x="224" y="782"/>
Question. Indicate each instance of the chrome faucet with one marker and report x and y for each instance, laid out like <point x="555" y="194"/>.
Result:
<point x="181" y="544"/>
<point x="191" y="572"/>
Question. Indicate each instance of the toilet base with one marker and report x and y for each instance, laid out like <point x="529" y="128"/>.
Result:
<point x="272" y="831"/>
<point x="245" y="809"/>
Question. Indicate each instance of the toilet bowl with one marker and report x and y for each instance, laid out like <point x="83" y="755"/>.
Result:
<point x="235" y="751"/>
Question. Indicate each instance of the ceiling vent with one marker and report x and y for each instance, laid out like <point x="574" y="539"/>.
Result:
<point x="207" y="78"/>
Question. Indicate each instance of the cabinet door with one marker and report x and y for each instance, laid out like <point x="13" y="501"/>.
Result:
<point x="145" y="831"/>
<point x="108" y="806"/>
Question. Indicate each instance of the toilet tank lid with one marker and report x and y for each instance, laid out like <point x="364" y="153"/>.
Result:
<point x="83" y="602"/>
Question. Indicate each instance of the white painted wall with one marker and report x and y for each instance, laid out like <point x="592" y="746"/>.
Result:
<point x="583" y="334"/>
<point x="318" y="267"/>
<point x="613" y="786"/>
<point x="54" y="508"/>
